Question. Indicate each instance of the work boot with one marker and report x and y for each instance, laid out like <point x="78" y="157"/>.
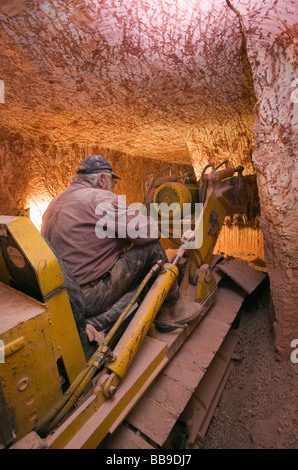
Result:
<point x="164" y="321"/>
<point x="94" y="335"/>
<point x="178" y="315"/>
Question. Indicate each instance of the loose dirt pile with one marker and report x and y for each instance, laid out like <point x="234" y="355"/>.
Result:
<point x="259" y="406"/>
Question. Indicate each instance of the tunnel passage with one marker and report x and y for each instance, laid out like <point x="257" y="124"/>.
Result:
<point x="148" y="83"/>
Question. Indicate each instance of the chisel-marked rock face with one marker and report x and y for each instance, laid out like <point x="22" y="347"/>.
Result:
<point x="271" y="45"/>
<point x="157" y="79"/>
<point x="180" y="82"/>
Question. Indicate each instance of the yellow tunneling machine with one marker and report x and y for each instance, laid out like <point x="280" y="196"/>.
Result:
<point x="57" y="392"/>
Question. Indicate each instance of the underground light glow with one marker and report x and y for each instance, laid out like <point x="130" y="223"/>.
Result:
<point x="37" y="209"/>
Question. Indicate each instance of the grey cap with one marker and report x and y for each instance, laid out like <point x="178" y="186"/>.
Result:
<point x="96" y="164"/>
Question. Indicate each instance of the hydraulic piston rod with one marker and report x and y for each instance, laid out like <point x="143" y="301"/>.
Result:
<point x="138" y="328"/>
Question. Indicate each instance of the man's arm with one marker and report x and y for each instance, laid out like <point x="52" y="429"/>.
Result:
<point x="135" y="226"/>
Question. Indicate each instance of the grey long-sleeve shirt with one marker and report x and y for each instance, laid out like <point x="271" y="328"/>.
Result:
<point x="76" y="221"/>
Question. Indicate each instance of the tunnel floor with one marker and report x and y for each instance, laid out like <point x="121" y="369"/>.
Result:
<point x="257" y="407"/>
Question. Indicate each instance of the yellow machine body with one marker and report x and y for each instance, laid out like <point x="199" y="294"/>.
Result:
<point x="140" y="324"/>
<point x="77" y="431"/>
<point x="175" y="195"/>
<point x="40" y="337"/>
<point x="45" y="370"/>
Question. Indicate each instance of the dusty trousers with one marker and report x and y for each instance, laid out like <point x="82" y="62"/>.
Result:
<point x="107" y="297"/>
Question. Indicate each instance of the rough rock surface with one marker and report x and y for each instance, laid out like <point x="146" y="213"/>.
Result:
<point x="154" y="78"/>
<point x="272" y="51"/>
<point x="175" y="81"/>
<point x="259" y="406"/>
<point x="35" y="171"/>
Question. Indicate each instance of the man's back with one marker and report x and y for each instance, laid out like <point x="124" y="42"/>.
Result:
<point x="69" y="225"/>
<point x="74" y="224"/>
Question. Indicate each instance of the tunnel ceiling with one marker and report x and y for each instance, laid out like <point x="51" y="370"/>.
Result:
<point x="151" y="78"/>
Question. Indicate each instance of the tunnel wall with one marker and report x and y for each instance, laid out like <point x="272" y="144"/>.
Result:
<point x="35" y="171"/>
<point x="271" y="33"/>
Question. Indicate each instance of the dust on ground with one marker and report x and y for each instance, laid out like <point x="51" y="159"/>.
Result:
<point x="259" y="406"/>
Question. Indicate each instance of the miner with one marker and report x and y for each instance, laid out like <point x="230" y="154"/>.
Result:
<point x="94" y="232"/>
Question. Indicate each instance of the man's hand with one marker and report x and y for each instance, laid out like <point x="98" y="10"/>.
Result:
<point x="188" y="236"/>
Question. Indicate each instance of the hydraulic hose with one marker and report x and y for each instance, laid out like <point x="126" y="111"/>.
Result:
<point x="92" y="366"/>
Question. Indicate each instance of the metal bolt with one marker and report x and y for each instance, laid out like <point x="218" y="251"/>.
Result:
<point x="112" y="357"/>
<point x="112" y="390"/>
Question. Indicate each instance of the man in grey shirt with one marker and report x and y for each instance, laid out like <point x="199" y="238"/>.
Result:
<point x="92" y="229"/>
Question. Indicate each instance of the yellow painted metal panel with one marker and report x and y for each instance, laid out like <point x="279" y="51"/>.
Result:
<point x="65" y="334"/>
<point x="29" y="374"/>
<point x="37" y="252"/>
<point x="90" y="423"/>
